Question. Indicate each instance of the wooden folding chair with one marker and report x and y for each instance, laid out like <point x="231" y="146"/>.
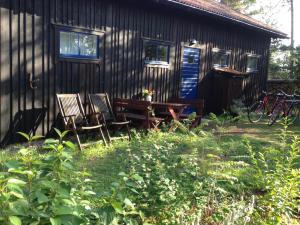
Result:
<point x="101" y="106"/>
<point x="73" y="116"/>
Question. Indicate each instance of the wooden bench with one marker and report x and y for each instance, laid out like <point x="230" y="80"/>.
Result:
<point x="136" y="110"/>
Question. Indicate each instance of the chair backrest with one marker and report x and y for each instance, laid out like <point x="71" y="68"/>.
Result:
<point x="100" y="104"/>
<point x="71" y="105"/>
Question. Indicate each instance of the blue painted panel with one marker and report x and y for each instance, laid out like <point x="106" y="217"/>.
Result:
<point x="190" y="75"/>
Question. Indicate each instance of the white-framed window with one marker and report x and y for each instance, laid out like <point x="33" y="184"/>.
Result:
<point x="156" y="53"/>
<point x="220" y="58"/>
<point x="252" y="63"/>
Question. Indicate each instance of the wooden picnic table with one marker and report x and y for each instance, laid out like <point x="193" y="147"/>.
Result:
<point x="175" y="109"/>
<point x="144" y="110"/>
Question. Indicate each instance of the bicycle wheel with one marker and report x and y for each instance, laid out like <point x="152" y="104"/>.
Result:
<point x="256" y="112"/>
<point x="293" y="114"/>
<point x="275" y="115"/>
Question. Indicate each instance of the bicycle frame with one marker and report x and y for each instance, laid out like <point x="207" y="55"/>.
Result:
<point x="291" y="105"/>
<point x="279" y="100"/>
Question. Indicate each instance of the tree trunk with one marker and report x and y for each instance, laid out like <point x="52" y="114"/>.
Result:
<point x="292" y="38"/>
<point x="292" y="24"/>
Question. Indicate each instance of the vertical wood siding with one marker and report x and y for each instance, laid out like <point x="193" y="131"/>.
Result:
<point x="27" y="46"/>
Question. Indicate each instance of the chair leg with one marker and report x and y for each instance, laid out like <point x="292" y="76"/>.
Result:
<point x="78" y="140"/>
<point x="128" y="132"/>
<point x="108" y="135"/>
<point x="103" y="137"/>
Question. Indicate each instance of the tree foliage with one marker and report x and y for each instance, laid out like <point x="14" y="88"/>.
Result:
<point x="282" y="57"/>
<point x="240" y="5"/>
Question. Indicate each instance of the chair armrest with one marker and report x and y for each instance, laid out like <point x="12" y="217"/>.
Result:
<point x="69" y="116"/>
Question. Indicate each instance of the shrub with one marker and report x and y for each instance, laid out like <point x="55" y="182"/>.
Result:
<point x="47" y="190"/>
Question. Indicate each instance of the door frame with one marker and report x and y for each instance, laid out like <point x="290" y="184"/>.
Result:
<point x="201" y="47"/>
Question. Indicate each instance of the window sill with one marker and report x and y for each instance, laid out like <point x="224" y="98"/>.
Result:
<point x="154" y="65"/>
<point x="157" y="65"/>
<point x="251" y="71"/>
<point x="80" y="60"/>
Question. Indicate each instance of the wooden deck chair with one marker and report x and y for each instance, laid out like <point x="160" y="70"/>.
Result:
<point x="73" y="116"/>
<point x="100" y="105"/>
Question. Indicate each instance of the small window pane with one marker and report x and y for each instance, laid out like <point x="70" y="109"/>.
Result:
<point x="88" y="45"/>
<point x="191" y="58"/>
<point x="150" y="52"/>
<point x="156" y="53"/>
<point x="163" y="53"/>
<point x="69" y="43"/>
<point x="220" y="59"/>
<point x="252" y="62"/>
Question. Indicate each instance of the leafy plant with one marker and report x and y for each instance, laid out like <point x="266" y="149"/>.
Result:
<point x="45" y="191"/>
<point x="30" y="137"/>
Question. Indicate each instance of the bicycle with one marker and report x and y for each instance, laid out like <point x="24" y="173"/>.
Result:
<point x="257" y="110"/>
<point x="288" y="106"/>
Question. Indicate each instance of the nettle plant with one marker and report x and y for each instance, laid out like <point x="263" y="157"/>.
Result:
<point x="45" y="190"/>
<point x="279" y="171"/>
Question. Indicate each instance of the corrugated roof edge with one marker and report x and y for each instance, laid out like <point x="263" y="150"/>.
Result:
<point x="273" y="32"/>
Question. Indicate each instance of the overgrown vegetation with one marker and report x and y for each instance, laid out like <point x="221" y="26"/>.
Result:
<point x="284" y="61"/>
<point x="208" y="176"/>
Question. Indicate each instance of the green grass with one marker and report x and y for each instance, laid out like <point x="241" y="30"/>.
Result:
<point x="105" y="163"/>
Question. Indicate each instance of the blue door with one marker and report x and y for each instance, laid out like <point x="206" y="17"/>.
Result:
<point x="190" y="73"/>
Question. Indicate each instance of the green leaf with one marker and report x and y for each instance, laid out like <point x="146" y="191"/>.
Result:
<point x="128" y="203"/>
<point x="137" y="178"/>
<point x="16" y="181"/>
<point x="55" y="221"/>
<point x="15" y="220"/>
<point x="71" y="219"/>
<point x="16" y="194"/>
<point x="64" y="133"/>
<point x="19" y="207"/>
<point x="24" y="151"/>
<point x="57" y="131"/>
<point x="117" y="207"/>
<point x="36" y="137"/>
<point x="63" y="210"/>
<point x="42" y="198"/>
<point x="26" y="136"/>
<point x="15" y="188"/>
<point x="122" y="174"/>
<point x="13" y="164"/>
<point x="35" y="223"/>
<point x="51" y="141"/>
<point x="70" y="145"/>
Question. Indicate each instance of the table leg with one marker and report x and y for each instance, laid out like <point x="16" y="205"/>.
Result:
<point x="173" y="113"/>
<point x="175" y="116"/>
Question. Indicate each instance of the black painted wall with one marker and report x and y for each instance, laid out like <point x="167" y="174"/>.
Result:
<point x="27" y="46"/>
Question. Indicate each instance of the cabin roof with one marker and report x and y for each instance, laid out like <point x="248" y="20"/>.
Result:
<point x="225" y="12"/>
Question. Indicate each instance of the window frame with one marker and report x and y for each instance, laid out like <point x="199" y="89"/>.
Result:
<point x="79" y="58"/>
<point x="251" y="70"/>
<point x="220" y="51"/>
<point x="154" y="63"/>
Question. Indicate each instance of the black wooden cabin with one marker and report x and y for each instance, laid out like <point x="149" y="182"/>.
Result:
<point x="119" y="47"/>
